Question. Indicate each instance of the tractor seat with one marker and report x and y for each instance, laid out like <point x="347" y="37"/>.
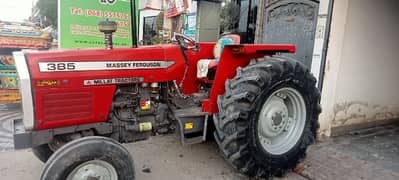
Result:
<point x="204" y="65"/>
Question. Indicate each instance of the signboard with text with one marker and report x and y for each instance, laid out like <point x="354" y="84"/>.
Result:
<point x="78" y="20"/>
<point x="175" y="7"/>
<point x="21" y="36"/>
<point x="191" y="23"/>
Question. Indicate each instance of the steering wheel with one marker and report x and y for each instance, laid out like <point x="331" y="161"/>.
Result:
<point x="186" y="42"/>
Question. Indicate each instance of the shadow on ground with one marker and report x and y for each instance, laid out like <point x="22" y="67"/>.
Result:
<point x="366" y="154"/>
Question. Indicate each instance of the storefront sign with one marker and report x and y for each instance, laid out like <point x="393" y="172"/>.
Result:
<point x="175" y="7"/>
<point x="21" y="32"/>
<point x="18" y="35"/>
<point x="19" y="29"/>
<point x="78" y="22"/>
<point x="22" y="42"/>
<point x="191" y="25"/>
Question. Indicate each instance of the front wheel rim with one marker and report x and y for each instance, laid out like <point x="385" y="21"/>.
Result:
<point x="281" y="121"/>
<point x="94" y="169"/>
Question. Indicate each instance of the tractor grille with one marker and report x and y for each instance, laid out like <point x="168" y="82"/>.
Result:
<point x="67" y="106"/>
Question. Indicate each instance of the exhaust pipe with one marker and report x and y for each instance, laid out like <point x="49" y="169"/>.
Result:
<point x="107" y="27"/>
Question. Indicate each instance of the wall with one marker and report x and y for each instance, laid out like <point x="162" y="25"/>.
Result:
<point x="362" y="64"/>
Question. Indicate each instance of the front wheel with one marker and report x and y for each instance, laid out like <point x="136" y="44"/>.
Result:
<point x="90" y="158"/>
<point x="268" y="116"/>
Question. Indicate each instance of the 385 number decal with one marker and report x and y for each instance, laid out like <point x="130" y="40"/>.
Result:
<point x="60" y="66"/>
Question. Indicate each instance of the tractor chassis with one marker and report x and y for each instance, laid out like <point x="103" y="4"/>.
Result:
<point x="27" y="139"/>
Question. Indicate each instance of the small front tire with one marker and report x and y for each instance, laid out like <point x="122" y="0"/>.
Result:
<point x="90" y="157"/>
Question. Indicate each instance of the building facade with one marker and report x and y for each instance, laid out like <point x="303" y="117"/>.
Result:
<point x="350" y="46"/>
<point x="360" y="75"/>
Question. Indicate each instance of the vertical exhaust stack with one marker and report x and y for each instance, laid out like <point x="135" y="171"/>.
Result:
<point x="107" y="27"/>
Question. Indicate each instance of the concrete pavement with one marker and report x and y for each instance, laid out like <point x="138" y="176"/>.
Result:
<point x="367" y="154"/>
<point x="165" y="157"/>
<point x="6" y="116"/>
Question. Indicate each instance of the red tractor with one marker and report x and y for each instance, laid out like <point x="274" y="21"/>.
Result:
<point x="79" y="105"/>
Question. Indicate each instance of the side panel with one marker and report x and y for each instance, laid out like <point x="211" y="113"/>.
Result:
<point x="85" y="96"/>
<point x="60" y="107"/>
<point x="25" y="90"/>
<point x="191" y="84"/>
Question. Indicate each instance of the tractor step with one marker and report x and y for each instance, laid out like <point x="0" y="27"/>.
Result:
<point x="192" y="124"/>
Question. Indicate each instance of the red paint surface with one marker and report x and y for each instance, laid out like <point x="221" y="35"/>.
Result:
<point x="230" y="61"/>
<point x="61" y="106"/>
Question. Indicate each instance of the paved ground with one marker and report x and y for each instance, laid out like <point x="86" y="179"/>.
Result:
<point x="6" y="116"/>
<point x="368" y="154"/>
<point x="166" y="158"/>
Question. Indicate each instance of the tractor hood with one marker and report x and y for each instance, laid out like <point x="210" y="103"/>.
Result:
<point x="67" y="87"/>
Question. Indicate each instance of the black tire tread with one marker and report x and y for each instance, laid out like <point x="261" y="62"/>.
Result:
<point x="235" y="106"/>
<point x="104" y="148"/>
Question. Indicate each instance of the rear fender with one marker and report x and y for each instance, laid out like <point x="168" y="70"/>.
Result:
<point x="235" y="56"/>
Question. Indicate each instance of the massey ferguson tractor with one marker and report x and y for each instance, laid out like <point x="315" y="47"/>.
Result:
<point x="79" y="105"/>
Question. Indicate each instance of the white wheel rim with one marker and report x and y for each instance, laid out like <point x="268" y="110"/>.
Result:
<point x="95" y="169"/>
<point x="281" y="121"/>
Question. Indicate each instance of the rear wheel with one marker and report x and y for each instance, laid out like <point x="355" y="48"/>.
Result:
<point x="268" y="116"/>
<point x="91" y="157"/>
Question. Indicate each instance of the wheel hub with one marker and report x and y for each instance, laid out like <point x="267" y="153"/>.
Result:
<point x="94" y="170"/>
<point x="281" y="120"/>
<point x="277" y="119"/>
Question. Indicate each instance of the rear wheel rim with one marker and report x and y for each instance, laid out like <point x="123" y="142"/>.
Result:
<point x="95" y="169"/>
<point x="281" y="121"/>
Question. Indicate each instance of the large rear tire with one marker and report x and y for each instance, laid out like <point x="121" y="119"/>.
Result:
<point x="90" y="157"/>
<point x="268" y="116"/>
<point x="42" y="152"/>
